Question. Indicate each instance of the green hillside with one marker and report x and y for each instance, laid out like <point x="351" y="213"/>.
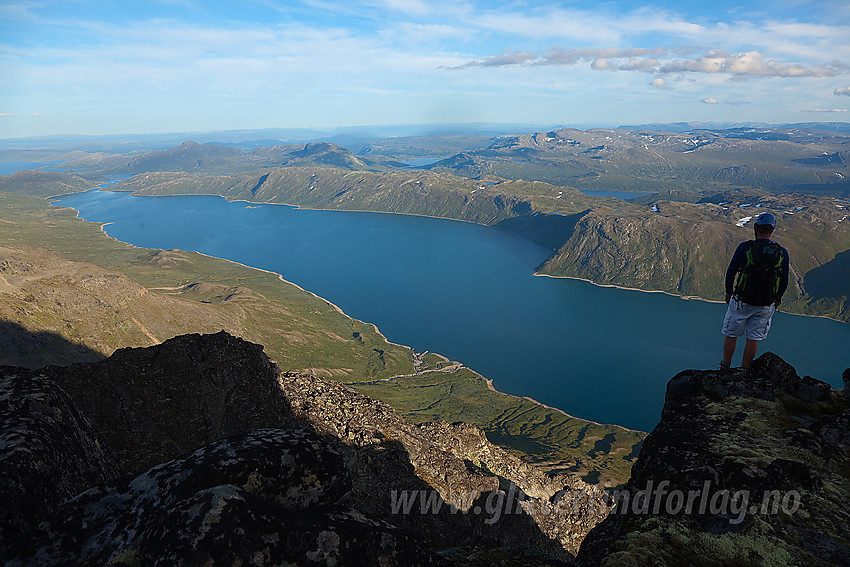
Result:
<point x="684" y="249"/>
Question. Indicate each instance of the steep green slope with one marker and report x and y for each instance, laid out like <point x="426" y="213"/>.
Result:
<point x="684" y="249"/>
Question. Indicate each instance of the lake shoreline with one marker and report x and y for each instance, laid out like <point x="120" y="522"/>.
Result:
<point x="682" y="297"/>
<point x="538" y="274"/>
<point x="534" y="273"/>
<point x="488" y="381"/>
<point x="531" y="338"/>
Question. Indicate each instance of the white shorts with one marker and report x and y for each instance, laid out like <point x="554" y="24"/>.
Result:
<point x="752" y="320"/>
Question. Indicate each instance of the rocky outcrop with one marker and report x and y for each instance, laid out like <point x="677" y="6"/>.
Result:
<point x="482" y="491"/>
<point x="745" y="468"/>
<point x="256" y="465"/>
<point x="49" y="452"/>
<point x="268" y="498"/>
<point x="227" y="458"/>
<point x="154" y="404"/>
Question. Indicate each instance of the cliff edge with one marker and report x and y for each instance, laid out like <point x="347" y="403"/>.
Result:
<point x="745" y="468"/>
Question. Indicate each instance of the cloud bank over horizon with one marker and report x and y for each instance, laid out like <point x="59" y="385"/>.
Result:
<point x="108" y="66"/>
<point x="654" y="61"/>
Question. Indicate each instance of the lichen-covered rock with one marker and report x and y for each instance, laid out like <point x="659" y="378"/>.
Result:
<point x="479" y="492"/>
<point x="564" y="507"/>
<point x="49" y="452"/>
<point x="266" y="498"/>
<point x="441" y="485"/>
<point x="745" y="468"/>
<point x="157" y="403"/>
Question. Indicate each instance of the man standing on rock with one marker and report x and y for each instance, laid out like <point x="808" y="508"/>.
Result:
<point x="755" y="281"/>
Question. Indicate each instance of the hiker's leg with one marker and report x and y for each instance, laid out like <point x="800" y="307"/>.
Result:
<point x="729" y="349"/>
<point x="757" y="328"/>
<point x="750" y="350"/>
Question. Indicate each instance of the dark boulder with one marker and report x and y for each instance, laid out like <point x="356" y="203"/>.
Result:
<point x="49" y="452"/>
<point x="269" y="498"/>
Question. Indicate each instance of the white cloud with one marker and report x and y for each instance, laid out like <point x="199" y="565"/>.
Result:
<point x="827" y="110"/>
<point x="659" y="83"/>
<point x="506" y="58"/>
<point x="842" y="91"/>
<point x="651" y="61"/>
<point x="645" y="65"/>
<point x="748" y="63"/>
<point x="6" y="114"/>
<point x="560" y="56"/>
<point x="36" y="114"/>
<point x="710" y="100"/>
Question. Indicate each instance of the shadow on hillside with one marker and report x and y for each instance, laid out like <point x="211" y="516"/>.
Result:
<point x="21" y="347"/>
<point x="830" y="280"/>
<point x="550" y="230"/>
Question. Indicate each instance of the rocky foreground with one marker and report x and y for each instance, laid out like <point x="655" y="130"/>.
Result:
<point x="201" y="451"/>
<point x="745" y="468"/>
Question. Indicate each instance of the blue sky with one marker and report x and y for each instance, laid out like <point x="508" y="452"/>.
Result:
<point x="99" y="67"/>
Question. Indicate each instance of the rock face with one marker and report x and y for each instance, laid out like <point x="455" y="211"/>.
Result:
<point x="485" y="493"/>
<point x="228" y="459"/>
<point x="154" y="404"/>
<point x="745" y="468"/>
<point x="49" y="451"/>
<point x="269" y="497"/>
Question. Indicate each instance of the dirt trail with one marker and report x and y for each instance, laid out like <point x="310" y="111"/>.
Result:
<point x="155" y="340"/>
<point x="448" y="369"/>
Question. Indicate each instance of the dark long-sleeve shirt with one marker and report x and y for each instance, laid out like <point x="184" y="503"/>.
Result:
<point x="740" y="258"/>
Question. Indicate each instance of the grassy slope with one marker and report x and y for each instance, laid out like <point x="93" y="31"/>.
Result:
<point x="175" y="292"/>
<point x="264" y="310"/>
<point x="561" y="442"/>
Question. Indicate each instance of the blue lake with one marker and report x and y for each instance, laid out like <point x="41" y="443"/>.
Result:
<point x="468" y="292"/>
<point x="10" y="167"/>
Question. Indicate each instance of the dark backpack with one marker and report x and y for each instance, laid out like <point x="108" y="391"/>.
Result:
<point x="758" y="279"/>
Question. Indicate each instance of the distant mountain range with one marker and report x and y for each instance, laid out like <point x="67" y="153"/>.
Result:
<point x="688" y="126"/>
<point x="350" y="137"/>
